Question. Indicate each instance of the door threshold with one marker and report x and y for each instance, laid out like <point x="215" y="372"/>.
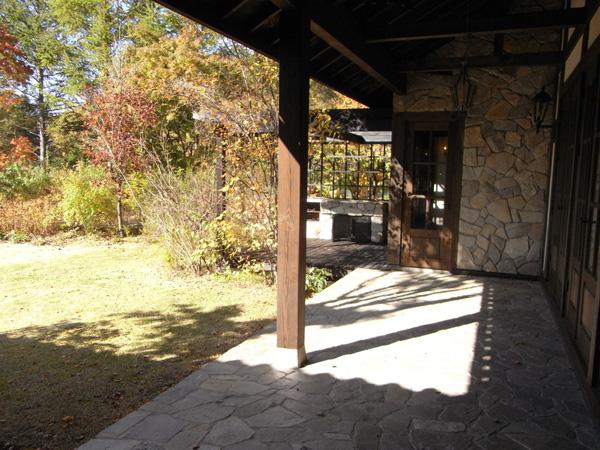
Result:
<point x="421" y="269"/>
<point x="482" y="273"/>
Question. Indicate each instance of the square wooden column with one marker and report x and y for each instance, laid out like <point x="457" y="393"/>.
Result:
<point x="396" y="190"/>
<point x="292" y="180"/>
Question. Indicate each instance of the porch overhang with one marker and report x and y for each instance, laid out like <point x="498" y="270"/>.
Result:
<point x="363" y="50"/>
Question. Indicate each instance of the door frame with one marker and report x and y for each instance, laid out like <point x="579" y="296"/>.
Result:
<point x="563" y="191"/>
<point x="587" y="358"/>
<point x="588" y="143"/>
<point x="455" y="122"/>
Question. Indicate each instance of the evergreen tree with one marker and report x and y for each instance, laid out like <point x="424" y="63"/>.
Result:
<point x="57" y="67"/>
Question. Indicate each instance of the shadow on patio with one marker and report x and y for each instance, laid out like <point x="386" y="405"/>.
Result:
<point x="396" y="360"/>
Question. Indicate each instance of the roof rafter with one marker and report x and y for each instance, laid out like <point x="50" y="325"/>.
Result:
<point x="564" y="18"/>
<point x="498" y="60"/>
<point x="207" y="16"/>
<point x="326" y="23"/>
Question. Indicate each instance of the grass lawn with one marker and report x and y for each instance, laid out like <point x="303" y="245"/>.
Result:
<point x="90" y="331"/>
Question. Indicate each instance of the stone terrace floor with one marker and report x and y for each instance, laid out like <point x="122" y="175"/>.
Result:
<point x="398" y="360"/>
<point x="344" y="254"/>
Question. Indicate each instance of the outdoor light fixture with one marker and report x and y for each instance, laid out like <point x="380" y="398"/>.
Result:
<point x="541" y="102"/>
<point x="464" y="91"/>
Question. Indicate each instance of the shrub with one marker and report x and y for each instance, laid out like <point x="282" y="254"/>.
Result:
<point x="23" y="218"/>
<point x="316" y="280"/>
<point x="251" y="215"/>
<point x="134" y="192"/>
<point x="88" y="199"/>
<point x="180" y="209"/>
<point x="24" y="182"/>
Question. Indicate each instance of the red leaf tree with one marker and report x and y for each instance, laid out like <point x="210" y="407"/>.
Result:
<point x="118" y="118"/>
<point x="21" y="151"/>
<point x="12" y="68"/>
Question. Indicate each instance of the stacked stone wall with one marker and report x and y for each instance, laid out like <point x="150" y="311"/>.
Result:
<point x="505" y="161"/>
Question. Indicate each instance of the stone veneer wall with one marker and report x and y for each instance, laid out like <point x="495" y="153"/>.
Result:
<point x="505" y="162"/>
<point x="377" y="211"/>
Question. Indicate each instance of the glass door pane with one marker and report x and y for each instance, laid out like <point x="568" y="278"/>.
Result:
<point x="428" y="169"/>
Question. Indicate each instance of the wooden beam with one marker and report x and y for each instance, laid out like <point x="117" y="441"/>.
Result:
<point x="339" y="29"/>
<point x="209" y="17"/>
<point x="337" y="85"/>
<point x="503" y="24"/>
<point x="292" y="178"/>
<point x="235" y="9"/>
<point x="283" y="4"/>
<point x="265" y="21"/>
<point x="206" y="16"/>
<point x="591" y="8"/>
<point x="396" y="190"/>
<point x="503" y="60"/>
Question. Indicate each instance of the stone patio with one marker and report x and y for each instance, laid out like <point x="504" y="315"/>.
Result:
<point x="397" y="360"/>
<point x="344" y="254"/>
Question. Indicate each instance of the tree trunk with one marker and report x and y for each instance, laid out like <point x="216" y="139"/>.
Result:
<point x="41" y="119"/>
<point x="220" y="178"/>
<point x="120" y="230"/>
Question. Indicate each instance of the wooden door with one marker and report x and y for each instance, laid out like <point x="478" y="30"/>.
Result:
<point x="589" y="302"/>
<point x="590" y="311"/>
<point x="575" y="256"/>
<point x="426" y="218"/>
<point x="582" y="294"/>
<point x="575" y="244"/>
<point x="562" y="194"/>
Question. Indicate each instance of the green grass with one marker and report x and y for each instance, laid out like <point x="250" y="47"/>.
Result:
<point x="90" y="331"/>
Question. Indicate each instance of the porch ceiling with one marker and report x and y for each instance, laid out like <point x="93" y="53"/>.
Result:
<point x="382" y="39"/>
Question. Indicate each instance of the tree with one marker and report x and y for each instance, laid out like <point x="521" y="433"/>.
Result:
<point x="172" y="71"/>
<point x="57" y="69"/>
<point x="21" y="152"/>
<point x="15" y="121"/>
<point x="13" y="70"/>
<point x="118" y="118"/>
<point x="66" y="133"/>
<point x="70" y="45"/>
<point x="104" y="27"/>
<point x="217" y="103"/>
<point x="13" y="111"/>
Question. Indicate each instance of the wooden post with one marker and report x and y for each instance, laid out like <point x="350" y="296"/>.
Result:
<point x="396" y="190"/>
<point x="292" y="180"/>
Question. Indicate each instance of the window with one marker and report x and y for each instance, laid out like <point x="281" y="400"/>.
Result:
<point x="429" y="160"/>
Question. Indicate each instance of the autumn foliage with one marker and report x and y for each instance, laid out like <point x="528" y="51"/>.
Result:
<point x="11" y="65"/>
<point x="21" y="152"/>
<point x="117" y="119"/>
<point x="12" y="68"/>
<point x="184" y="111"/>
<point x="22" y="149"/>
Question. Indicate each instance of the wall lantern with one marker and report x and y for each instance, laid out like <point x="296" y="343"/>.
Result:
<point x="464" y="91"/>
<point x="541" y="103"/>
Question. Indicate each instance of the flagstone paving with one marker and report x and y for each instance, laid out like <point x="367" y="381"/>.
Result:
<point x="397" y="360"/>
